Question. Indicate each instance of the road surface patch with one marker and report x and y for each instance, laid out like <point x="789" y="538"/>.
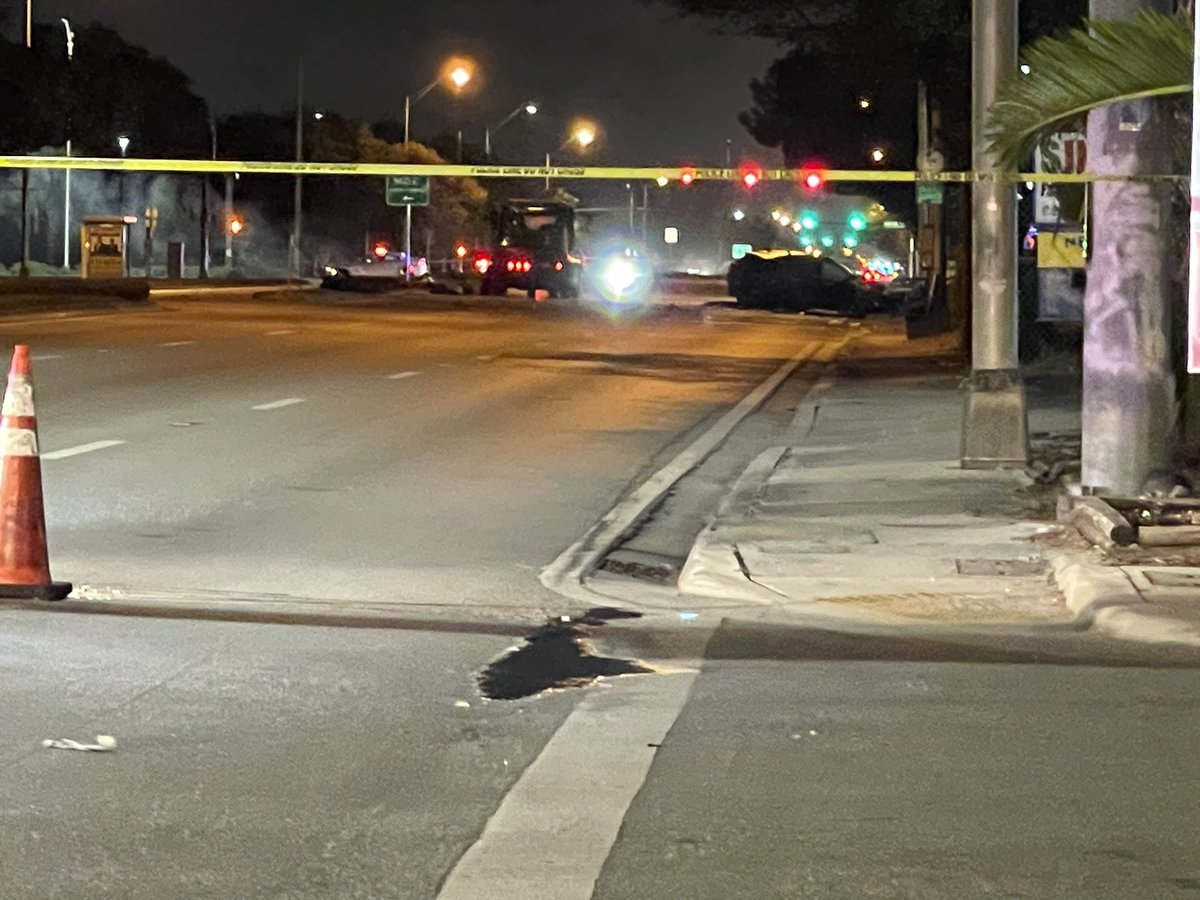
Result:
<point x="81" y="449"/>
<point x="278" y="404"/>
<point x="552" y="657"/>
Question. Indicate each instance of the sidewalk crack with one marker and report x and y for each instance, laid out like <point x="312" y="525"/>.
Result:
<point x="745" y="569"/>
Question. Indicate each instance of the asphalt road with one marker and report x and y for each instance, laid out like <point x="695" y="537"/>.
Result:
<point x="435" y="458"/>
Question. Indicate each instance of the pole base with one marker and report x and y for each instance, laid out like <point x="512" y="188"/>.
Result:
<point x="55" y="590"/>
<point x="995" y="433"/>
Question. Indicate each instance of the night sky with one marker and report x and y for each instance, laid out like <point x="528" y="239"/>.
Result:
<point x="663" y="90"/>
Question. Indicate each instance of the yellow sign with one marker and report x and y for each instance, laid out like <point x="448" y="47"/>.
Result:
<point x="1062" y="250"/>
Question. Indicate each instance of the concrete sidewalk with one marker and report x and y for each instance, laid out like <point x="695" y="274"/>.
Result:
<point x="863" y="513"/>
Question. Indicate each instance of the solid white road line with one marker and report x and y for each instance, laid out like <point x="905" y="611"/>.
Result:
<point x="554" y="829"/>
<point x="278" y="404"/>
<point x="400" y="375"/>
<point x="176" y="343"/>
<point x="81" y="449"/>
<point x="566" y="574"/>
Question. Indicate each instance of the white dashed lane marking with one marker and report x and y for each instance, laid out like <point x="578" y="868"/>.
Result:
<point x="81" y="449"/>
<point x="40" y="357"/>
<point x="176" y="343"/>
<point x="402" y="375"/>
<point x="278" y="404"/>
<point x="281" y="332"/>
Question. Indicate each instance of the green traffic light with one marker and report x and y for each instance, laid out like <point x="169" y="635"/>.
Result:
<point x="857" y="221"/>
<point x="827" y="240"/>
<point x="809" y="219"/>
<point x="850" y="241"/>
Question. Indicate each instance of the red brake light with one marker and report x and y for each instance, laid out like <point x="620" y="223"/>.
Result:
<point x="558" y="267"/>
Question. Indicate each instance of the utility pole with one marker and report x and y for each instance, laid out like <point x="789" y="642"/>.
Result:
<point x="67" y="172"/>
<point x="297" y="200"/>
<point x="407" y="206"/>
<point x="1129" y="413"/>
<point x="204" y="223"/>
<point x="23" y="272"/>
<point x="995" y="430"/>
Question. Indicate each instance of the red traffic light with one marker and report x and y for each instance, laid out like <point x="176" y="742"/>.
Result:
<point x="687" y="177"/>
<point x="381" y="250"/>
<point x="236" y="224"/>
<point x="812" y="180"/>
<point x="751" y="176"/>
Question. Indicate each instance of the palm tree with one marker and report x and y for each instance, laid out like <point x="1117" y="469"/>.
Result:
<point x="1108" y="62"/>
<point x="1111" y="72"/>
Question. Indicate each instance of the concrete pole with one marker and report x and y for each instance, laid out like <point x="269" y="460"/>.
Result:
<point x="1129" y="410"/>
<point x="995" y="426"/>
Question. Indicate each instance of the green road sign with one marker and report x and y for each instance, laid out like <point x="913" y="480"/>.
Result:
<point x="408" y="190"/>
<point x="930" y="192"/>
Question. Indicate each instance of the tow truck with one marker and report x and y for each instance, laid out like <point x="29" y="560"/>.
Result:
<point x="532" y="248"/>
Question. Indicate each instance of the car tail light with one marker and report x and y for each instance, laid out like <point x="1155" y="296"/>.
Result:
<point x="558" y="267"/>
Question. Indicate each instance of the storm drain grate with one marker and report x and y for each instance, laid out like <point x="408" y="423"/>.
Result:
<point x="550" y="658"/>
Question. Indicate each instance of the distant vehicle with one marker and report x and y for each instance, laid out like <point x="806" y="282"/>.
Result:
<point x="532" y="248"/>
<point x="382" y="270"/>
<point x="797" y="281"/>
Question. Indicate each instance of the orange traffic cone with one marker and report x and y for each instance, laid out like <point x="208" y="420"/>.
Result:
<point x="24" y="560"/>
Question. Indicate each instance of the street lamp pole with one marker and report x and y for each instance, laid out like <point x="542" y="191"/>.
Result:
<point x="24" y="270"/>
<point x="297" y="199"/>
<point x="409" y="100"/>
<point x="67" y="172"/>
<point x="995" y="424"/>
<point x="529" y="108"/>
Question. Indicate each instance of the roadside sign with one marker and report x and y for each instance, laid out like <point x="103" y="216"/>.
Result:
<point x="408" y="190"/>
<point x="1061" y="250"/>
<point x="670" y="235"/>
<point x="740" y="250"/>
<point x="930" y="192"/>
<point x="1065" y="153"/>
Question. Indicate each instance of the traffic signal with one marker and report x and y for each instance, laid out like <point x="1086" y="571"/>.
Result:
<point x="809" y="220"/>
<point x="381" y="250"/>
<point x="857" y="221"/>
<point x="751" y="175"/>
<point x="688" y="177"/>
<point x="461" y="250"/>
<point x="235" y="225"/>
<point x="812" y="180"/>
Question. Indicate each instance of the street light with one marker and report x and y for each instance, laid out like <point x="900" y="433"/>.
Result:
<point x="123" y="143"/>
<point x="529" y="108"/>
<point x="583" y="134"/>
<point x="67" y="172"/>
<point x="738" y="215"/>
<point x="878" y="154"/>
<point x="458" y="71"/>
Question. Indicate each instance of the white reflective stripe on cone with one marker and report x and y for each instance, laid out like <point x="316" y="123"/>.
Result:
<point x="18" y="442"/>
<point x="18" y="399"/>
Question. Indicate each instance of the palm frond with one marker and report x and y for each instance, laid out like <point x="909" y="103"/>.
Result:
<point x="1148" y="55"/>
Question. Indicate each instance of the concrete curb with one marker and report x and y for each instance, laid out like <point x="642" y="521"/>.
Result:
<point x="712" y="568"/>
<point x="1107" y="599"/>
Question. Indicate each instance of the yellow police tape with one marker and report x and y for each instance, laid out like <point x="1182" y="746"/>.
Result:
<point x="612" y="173"/>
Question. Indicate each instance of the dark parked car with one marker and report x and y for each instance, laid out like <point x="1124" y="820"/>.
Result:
<point x="791" y="280"/>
